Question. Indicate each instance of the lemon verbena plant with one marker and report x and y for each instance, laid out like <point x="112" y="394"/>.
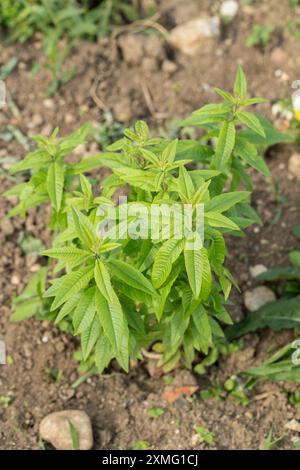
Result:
<point x="122" y="293"/>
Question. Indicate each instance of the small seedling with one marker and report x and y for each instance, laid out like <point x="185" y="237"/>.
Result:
<point x="9" y="359"/>
<point x="55" y="64"/>
<point x="297" y="444"/>
<point x="5" y="401"/>
<point x="294" y="399"/>
<point x="212" y="392"/>
<point x="270" y="441"/>
<point x="56" y="375"/>
<point x="168" y="379"/>
<point x="141" y="445"/>
<point x="74" y="435"/>
<point x="204" y="435"/>
<point x="156" y="412"/>
<point x="260" y="35"/>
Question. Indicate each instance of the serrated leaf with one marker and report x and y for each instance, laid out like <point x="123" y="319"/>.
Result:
<point x="223" y="202"/>
<point x="67" y="308"/>
<point x="185" y="184"/>
<point x="84" y="228"/>
<point x="33" y="160"/>
<point x="103" y="281"/>
<point x="103" y="353"/>
<point x="85" y="311"/>
<point x="89" y="337"/>
<point x="240" y="84"/>
<point x="164" y="258"/>
<point x="131" y="276"/>
<point x="66" y="253"/>
<point x="273" y="136"/>
<point x="225" y="145"/>
<point x="198" y="270"/>
<point x="71" y="284"/>
<point x="55" y="184"/>
<point x="248" y="153"/>
<point x="202" y="324"/>
<point x="113" y="322"/>
<point x="215" y="219"/>
<point x="169" y="153"/>
<point x="86" y="187"/>
<point x="250" y="121"/>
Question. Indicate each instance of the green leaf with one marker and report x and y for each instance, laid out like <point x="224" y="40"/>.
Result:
<point x="225" y="145"/>
<point x="138" y="178"/>
<point x="29" y="302"/>
<point x="185" y="184"/>
<point x="278" y="315"/>
<point x="280" y="274"/>
<point x="215" y="219"/>
<point x="71" y="284"/>
<point x="294" y="257"/>
<point x="86" y="187"/>
<point x="240" y="84"/>
<point x="164" y="258"/>
<point x="103" y="281"/>
<point x="223" y="202"/>
<point x="32" y="161"/>
<point x="169" y="152"/>
<point x="85" y="311"/>
<point x="250" y="121"/>
<point x="165" y="291"/>
<point x="103" y="353"/>
<point x="84" y="228"/>
<point x="208" y="114"/>
<point x="131" y="276"/>
<point x="248" y="153"/>
<point x="225" y="95"/>
<point x="67" y="253"/>
<point x="273" y="136"/>
<point x="55" y="184"/>
<point x="67" y="308"/>
<point x="74" y="435"/>
<point x="204" y="333"/>
<point x="114" y="324"/>
<point x="89" y="337"/>
<point x="198" y="270"/>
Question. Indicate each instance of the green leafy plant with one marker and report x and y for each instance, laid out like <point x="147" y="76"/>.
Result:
<point x="280" y="366"/>
<point x="55" y="64"/>
<point x="156" y="412"/>
<point x="204" y="435"/>
<point x="89" y="19"/>
<point x="271" y="441"/>
<point x="260" y="35"/>
<point x="141" y="445"/>
<point x="283" y="313"/>
<point x="121" y="293"/>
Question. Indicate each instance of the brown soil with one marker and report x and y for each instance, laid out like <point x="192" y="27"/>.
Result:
<point x="145" y="87"/>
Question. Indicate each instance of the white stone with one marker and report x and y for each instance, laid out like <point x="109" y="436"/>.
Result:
<point x="189" y="37"/>
<point x="229" y="9"/>
<point x="257" y="269"/>
<point x="294" y="165"/>
<point x="55" y="428"/>
<point x="258" y="297"/>
<point x="293" y="425"/>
